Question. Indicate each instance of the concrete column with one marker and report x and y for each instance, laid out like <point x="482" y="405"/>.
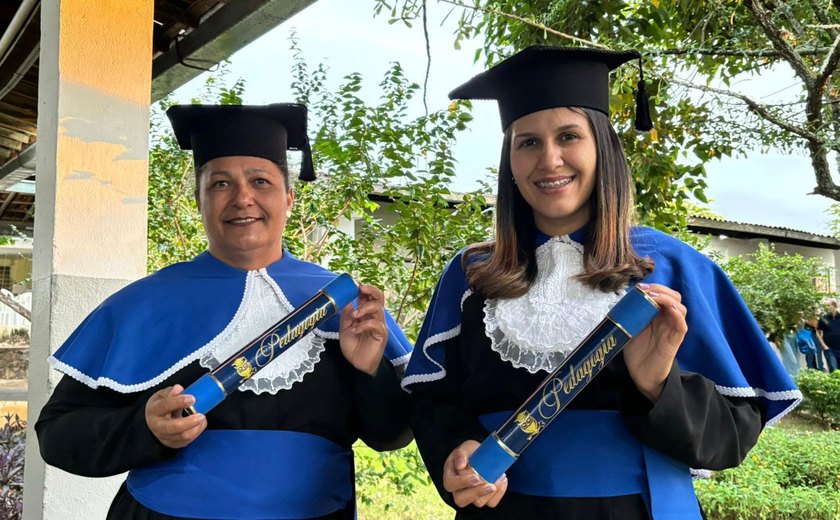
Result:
<point x="90" y="213"/>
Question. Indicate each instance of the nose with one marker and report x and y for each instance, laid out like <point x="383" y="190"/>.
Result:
<point x="243" y="196"/>
<point x="551" y="157"/>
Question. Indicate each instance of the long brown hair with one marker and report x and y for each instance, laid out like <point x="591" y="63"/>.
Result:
<point x="506" y="267"/>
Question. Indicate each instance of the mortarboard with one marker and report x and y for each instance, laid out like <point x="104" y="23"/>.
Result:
<point x="541" y="77"/>
<point x="265" y="131"/>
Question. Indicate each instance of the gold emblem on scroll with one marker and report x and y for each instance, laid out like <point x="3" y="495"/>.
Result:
<point x="528" y="424"/>
<point x="243" y="368"/>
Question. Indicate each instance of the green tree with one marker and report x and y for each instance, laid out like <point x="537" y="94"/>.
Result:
<point x="833" y="212"/>
<point x="776" y="287"/>
<point x="703" y="40"/>
<point x="382" y="208"/>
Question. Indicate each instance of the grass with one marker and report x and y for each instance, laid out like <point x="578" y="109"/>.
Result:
<point x="801" y="423"/>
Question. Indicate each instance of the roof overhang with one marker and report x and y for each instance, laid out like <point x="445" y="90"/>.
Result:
<point x="729" y="229"/>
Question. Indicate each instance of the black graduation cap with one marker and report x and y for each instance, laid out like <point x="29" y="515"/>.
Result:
<point x="541" y="77"/>
<point x="265" y="131"/>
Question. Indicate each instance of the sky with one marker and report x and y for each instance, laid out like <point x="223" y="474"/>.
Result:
<point x="766" y="189"/>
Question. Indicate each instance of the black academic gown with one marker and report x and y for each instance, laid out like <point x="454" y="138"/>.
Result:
<point x="692" y="422"/>
<point x="101" y="432"/>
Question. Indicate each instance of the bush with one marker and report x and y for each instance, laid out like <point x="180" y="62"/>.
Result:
<point x="402" y="469"/>
<point x="12" y="436"/>
<point x="787" y="476"/>
<point x="821" y="395"/>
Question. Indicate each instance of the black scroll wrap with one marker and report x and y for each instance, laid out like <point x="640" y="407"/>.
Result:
<point x="633" y="312"/>
<point x="211" y="389"/>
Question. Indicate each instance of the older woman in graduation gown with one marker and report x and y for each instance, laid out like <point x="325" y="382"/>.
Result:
<point x="280" y="446"/>
<point x="690" y="393"/>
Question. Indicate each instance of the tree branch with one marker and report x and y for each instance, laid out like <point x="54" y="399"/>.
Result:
<point x="755" y="108"/>
<point x="833" y="115"/>
<point x="819" y="160"/>
<point x="528" y="22"/>
<point x="15" y="306"/>
<point x="408" y="290"/>
<point x="829" y="64"/>
<point x="757" y="53"/>
<point x="785" y="10"/>
<point x="774" y="34"/>
<point x="813" y="108"/>
<point x="821" y="15"/>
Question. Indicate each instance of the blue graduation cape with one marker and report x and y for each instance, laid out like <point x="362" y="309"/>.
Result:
<point x="724" y="343"/>
<point x="157" y="325"/>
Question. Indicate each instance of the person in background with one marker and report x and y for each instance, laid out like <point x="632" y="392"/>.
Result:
<point x="692" y="391"/>
<point x="806" y="340"/>
<point x="828" y="334"/>
<point x="812" y="326"/>
<point x="789" y="352"/>
<point x="280" y="446"/>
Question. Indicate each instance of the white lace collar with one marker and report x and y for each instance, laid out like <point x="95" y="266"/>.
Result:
<point x="537" y="330"/>
<point x="262" y="306"/>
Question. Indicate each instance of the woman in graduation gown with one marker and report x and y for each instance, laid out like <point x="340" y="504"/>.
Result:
<point x="691" y="393"/>
<point x="280" y="446"/>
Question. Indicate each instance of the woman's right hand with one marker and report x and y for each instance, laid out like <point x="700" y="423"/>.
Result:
<point x="163" y="416"/>
<point x="465" y="484"/>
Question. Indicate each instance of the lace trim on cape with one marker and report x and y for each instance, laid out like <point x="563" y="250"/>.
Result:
<point x="263" y="305"/>
<point x="537" y="330"/>
<point x="785" y="395"/>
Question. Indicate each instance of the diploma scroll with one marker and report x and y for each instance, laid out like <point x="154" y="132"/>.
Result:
<point x="501" y="448"/>
<point x="212" y="388"/>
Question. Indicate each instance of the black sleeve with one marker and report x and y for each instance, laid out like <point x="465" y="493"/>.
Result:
<point x="696" y="425"/>
<point x="440" y="423"/>
<point x="96" y="433"/>
<point x="383" y="408"/>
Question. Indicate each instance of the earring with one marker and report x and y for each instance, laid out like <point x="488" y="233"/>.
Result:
<point x="288" y="213"/>
<point x="513" y="179"/>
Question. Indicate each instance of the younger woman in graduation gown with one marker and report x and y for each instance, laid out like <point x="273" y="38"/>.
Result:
<point x="280" y="446"/>
<point x="691" y="392"/>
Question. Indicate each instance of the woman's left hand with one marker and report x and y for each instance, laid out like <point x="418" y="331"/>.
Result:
<point x="363" y="333"/>
<point x="650" y="355"/>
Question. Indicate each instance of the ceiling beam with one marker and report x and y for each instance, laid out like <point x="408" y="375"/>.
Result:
<point x="225" y="31"/>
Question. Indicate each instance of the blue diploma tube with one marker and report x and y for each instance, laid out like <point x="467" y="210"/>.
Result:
<point x="212" y="388"/>
<point x="501" y="448"/>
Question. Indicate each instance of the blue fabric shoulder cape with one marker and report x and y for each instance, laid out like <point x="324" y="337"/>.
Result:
<point x="157" y="325"/>
<point x="724" y="342"/>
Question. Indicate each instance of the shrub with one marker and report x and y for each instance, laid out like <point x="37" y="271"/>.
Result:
<point x="787" y="476"/>
<point x="402" y="470"/>
<point x="12" y="436"/>
<point x="821" y="395"/>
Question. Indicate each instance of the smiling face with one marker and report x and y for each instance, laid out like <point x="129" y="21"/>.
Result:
<point x="553" y="160"/>
<point x="244" y="203"/>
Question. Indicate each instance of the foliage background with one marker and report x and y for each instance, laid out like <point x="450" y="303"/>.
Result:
<point x="777" y="288"/>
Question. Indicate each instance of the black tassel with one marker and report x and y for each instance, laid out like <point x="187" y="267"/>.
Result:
<point x="643" y="120"/>
<point x="307" y="168"/>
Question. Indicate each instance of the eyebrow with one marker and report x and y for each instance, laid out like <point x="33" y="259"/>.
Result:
<point x="249" y="171"/>
<point x="562" y="128"/>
